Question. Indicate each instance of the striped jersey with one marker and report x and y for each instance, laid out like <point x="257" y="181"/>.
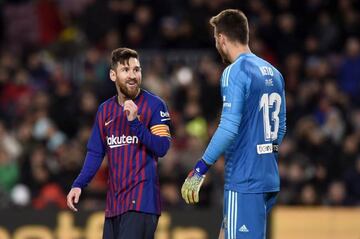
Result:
<point x="133" y="182"/>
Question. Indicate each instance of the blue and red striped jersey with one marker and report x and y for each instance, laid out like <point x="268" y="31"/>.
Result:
<point x="132" y="150"/>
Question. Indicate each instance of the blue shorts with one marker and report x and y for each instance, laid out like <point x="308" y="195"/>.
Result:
<point x="245" y="214"/>
<point x="131" y="225"/>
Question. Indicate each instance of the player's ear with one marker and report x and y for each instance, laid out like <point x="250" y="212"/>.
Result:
<point x="112" y="75"/>
<point x="223" y="39"/>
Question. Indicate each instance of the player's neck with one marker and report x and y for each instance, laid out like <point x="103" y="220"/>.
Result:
<point x="237" y="50"/>
<point x="121" y="97"/>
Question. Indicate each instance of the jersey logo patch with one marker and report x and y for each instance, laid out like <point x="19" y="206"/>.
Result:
<point x="108" y="122"/>
<point x="119" y="141"/>
<point x="164" y="115"/>
<point x="243" y="228"/>
<point x="269" y="82"/>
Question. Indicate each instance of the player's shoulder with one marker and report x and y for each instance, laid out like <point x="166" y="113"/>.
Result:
<point x="235" y="71"/>
<point x="245" y="63"/>
<point x="151" y="98"/>
<point x="255" y="62"/>
<point x="106" y="103"/>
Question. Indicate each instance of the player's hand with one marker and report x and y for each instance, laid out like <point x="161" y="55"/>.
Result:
<point x="73" y="197"/>
<point x="131" y="109"/>
<point x="191" y="187"/>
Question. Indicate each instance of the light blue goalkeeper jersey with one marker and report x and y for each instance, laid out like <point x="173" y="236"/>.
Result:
<point x="253" y="117"/>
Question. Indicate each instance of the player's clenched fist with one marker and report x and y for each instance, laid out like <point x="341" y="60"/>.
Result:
<point x="73" y="197"/>
<point x="131" y="109"/>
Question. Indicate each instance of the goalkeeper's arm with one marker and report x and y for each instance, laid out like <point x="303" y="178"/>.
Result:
<point x="224" y="135"/>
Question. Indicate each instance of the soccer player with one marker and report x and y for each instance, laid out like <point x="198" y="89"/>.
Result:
<point x="252" y="126"/>
<point x="132" y="128"/>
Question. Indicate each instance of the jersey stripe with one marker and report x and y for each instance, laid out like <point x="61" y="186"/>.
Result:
<point x="143" y="161"/>
<point x="135" y="192"/>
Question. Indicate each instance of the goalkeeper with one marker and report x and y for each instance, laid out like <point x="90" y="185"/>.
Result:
<point x="251" y="128"/>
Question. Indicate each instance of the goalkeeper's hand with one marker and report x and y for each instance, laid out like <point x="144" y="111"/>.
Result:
<point x="191" y="187"/>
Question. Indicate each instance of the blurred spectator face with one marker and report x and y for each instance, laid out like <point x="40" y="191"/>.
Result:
<point x="169" y="27"/>
<point x="294" y="62"/>
<point x="41" y="100"/>
<point x="337" y="193"/>
<point x="112" y="39"/>
<point x="8" y="60"/>
<point x="296" y="172"/>
<point x="308" y="195"/>
<point x="21" y="77"/>
<point x="311" y="44"/>
<point x="39" y="170"/>
<point x="352" y="47"/>
<point x="350" y="145"/>
<point x="127" y="77"/>
<point x="24" y="131"/>
<point x="134" y="34"/>
<point x="143" y="15"/>
<point x="320" y="172"/>
<point x="88" y="102"/>
<point x="256" y="6"/>
<point x="34" y="60"/>
<point x="286" y="23"/>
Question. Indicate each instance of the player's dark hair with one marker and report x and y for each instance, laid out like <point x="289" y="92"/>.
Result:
<point x="232" y="23"/>
<point x="122" y="56"/>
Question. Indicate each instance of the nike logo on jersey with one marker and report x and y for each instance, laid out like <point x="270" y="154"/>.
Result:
<point x="107" y="123"/>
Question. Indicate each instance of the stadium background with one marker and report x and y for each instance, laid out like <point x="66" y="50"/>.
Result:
<point x="54" y="73"/>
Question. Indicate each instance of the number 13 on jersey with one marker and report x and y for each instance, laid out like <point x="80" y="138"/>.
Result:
<point x="267" y="102"/>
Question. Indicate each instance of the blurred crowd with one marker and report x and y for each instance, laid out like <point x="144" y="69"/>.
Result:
<point x="54" y="63"/>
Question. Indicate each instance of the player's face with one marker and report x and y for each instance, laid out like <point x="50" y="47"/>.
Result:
<point x="219" y="43"/>
<point x="127" y="77"/>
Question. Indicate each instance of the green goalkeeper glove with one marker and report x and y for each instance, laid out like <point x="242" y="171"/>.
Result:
<point x="191" y="187"/>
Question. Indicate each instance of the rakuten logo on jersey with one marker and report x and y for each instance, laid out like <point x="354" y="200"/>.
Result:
<point x="119" y="141"/>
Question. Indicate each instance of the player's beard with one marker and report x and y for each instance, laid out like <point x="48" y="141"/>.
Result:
<point x="224" y="58"/>
<point x="129" y="92"/>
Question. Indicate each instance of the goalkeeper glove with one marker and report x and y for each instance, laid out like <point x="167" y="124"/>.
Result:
<point x="191" y="187"/>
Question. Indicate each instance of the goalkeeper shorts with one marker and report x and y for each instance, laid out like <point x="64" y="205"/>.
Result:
<point x="245" y="214"/>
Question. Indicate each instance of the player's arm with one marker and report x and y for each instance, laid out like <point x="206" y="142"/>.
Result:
<point x="235" y="95"/>
<point x="157" y="139"/>
<point x="94" y="157"/>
